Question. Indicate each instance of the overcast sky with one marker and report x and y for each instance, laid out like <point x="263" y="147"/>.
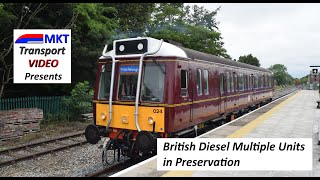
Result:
<point x="275" y="33"/>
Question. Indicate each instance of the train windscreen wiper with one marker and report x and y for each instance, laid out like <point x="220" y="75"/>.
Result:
<point x="160" y="67"/>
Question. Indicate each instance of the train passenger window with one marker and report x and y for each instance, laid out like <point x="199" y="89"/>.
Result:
<point x="249" y="82"/>
<point x="199" y="83"/>
<point x="228" y="82"/>
<point x="241" y="84"/>
<point x="256" y="82"/>
<point x="104" y="84"/>
<point x="206" y="82"/>
<point x="221" y="83"/>
<point x="232" y="83"/>
<point x="184" y="83"/>
<point x="235" y="82"/>
<point x="270" y="82"/>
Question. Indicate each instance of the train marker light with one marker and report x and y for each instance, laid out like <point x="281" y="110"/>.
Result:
<point x="140" y="46"/>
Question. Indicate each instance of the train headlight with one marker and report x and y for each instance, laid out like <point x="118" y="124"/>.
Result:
<point x="150" y="120"/>
<point x="102" y="116"/>
<point x="124" y="120"/>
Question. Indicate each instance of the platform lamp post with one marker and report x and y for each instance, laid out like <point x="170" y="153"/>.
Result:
<point x="315" y="73"/>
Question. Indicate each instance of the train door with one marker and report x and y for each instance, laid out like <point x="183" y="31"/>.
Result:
<point x="231" y="93"/>
<point x="222" y="102"/>
<point x="186" y="93"/>
<point x="191" y="98"/>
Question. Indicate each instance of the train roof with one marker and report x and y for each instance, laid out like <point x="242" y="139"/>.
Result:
<point x="212" y="58"/>
<point x="169" y="49"/>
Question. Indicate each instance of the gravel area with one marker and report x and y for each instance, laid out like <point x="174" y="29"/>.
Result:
<point x="76" y="161"/>
<point x="4" y="157"/>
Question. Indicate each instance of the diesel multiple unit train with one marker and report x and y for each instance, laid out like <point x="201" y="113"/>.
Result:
<point x="147" y="89"/>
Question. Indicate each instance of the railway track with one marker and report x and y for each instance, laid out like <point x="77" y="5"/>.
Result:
<point x="119" y="166"/>
<point x="116" y="167"/>
<point x="12" y="158"/>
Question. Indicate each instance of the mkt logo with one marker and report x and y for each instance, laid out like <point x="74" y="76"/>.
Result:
<point x="42" y="38"/>
<point x="42" y="56"/>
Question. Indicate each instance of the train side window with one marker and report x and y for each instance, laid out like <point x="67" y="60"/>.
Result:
<point x="228" y="82"/>
<point x="184" y="83"/>
<point x="270" y="84"/>
<point x="206" y="82"/>
<point x="199" y="83"/>
<point x="256" y="82"/>
<point x="232" y="83"/>
<point x="246" y="82"/>
<point x="236" y="83"/>
<point x="221" y="83"/>
<point x="249" y="82"/>
<point x="241" y="84"/>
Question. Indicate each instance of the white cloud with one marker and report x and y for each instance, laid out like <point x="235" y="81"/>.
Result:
<point x="287" y="34"/>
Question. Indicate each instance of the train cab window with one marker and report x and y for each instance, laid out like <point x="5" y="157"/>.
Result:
<point x="199" y="83"/>
<point x="228" y="82"/>
<point x="153" y="82"/>
<point x="127" y="87"/>
<point x="104" y="84"/>
<point x="241" y="82"/>
<point x="221" y="83"/>
<point x="206" y="82"/>
<point x="184" y="83"/>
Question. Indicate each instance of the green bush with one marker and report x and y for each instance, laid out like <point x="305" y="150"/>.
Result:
<point x="80" y="101"/>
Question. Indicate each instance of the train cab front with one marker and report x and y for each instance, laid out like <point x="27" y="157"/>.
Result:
<point x="137" y="119"/>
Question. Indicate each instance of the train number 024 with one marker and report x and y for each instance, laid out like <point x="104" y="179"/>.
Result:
<point x="157" y="110"/>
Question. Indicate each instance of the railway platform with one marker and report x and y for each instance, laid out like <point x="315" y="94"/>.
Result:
<point x="292" y="116"/>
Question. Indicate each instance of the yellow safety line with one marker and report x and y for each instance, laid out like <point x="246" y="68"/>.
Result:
<point x="238" y="134"/>
<point x="253" y="124"/>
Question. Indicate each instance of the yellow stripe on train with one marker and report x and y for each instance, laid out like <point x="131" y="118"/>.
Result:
<point x="123" y="117"/>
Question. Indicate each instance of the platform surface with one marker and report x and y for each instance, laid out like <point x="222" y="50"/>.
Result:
<point x="294" y="116"/>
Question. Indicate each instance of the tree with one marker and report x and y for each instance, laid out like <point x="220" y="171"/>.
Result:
<point x="199" y="16"/>
<point x="133" y="18"/>
<point x="173" y="23"/>
<point x="280" y="74"/>
<point x="13" y="16"/>
<point x="249" y="59"/>
<point x="80" y="101"/>
<point x="304" y="80"/>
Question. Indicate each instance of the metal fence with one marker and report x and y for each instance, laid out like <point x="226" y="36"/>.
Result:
<point x="51" y="105"/>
